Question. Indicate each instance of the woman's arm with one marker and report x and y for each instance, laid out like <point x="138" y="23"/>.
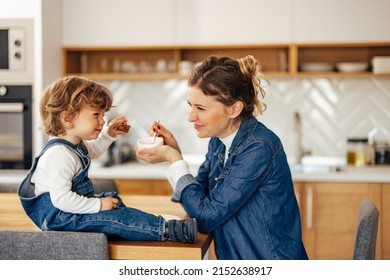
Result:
<point x="234" y="188"/>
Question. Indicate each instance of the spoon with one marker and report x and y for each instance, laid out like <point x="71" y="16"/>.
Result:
<point x="155" y="133"/>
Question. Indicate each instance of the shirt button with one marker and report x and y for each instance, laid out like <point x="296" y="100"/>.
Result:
<point x="216" y="179"/>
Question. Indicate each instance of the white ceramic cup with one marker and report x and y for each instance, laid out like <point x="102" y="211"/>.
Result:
<point x="147" y="142"/>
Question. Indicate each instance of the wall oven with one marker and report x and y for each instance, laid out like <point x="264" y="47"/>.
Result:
<point x="16" y="92"/>
<point x="15" y="126"/>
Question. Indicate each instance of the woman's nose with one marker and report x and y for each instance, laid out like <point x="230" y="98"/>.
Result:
<point x="191" y="115"/>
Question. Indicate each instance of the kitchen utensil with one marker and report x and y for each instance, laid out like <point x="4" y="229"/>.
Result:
<point x="155" y="133"/>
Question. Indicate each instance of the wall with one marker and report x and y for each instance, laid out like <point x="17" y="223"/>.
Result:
<point x="332" y="110"/>
<point x="47" y="18"/>
<point x="323" y="102"/>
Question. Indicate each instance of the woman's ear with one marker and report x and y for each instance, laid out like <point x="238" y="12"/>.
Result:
<point x="236" y="109"/>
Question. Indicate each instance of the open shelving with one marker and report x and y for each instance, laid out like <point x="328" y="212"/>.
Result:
<point x="165" y="62"/>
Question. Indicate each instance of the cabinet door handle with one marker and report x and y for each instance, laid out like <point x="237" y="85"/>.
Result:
<point x="309" y="222"/>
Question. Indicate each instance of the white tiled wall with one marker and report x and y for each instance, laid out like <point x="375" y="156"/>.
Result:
<point x="332" y="110"/>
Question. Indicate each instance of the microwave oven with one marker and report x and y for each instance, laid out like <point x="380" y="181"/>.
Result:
<point x="16" y="51"/>
<point x="12" y="48"/>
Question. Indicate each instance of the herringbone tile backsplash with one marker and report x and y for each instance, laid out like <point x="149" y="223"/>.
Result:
<point x="331" y="111"/>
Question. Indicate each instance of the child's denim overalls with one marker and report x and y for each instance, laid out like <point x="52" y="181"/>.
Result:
<point x="123" y="222"/>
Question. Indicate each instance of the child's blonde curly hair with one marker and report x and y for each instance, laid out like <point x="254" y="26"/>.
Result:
<point x="70" y="94"/>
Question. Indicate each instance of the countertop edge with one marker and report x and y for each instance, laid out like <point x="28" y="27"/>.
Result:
<point x="143" y="171"/>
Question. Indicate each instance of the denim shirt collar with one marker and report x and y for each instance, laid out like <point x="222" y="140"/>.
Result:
<point x="247" y="125"/>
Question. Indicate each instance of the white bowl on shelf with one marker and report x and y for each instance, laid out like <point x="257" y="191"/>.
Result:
<point x="317" y="67"/>
<point x="352" y="66"/>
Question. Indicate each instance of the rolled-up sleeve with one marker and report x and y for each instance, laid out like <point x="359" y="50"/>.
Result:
<point x="177" y="170"/>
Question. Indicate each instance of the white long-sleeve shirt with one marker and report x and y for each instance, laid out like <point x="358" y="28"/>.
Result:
<point x="58" y="166"/>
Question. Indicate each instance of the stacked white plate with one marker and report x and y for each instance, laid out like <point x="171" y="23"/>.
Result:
<point x="381" y="64"/>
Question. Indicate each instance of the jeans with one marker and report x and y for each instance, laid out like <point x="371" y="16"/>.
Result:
<point x="123" y="222"/>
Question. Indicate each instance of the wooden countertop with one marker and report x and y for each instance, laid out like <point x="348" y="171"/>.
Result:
<point x="13" y="217"/>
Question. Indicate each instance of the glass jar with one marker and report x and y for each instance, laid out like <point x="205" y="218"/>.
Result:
<point x="356" y="151"/>
<point x="382" y="152"/>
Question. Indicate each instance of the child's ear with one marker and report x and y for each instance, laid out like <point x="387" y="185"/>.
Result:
<point x="66" y="119"/>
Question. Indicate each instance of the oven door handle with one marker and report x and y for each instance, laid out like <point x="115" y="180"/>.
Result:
<point x="11" y="107"/>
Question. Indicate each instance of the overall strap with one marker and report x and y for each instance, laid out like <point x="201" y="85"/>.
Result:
<point x="80" y="150"/>
<point x="26" y="189"/>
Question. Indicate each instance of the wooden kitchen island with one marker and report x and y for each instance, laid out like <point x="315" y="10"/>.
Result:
<point x="13" y="217"/>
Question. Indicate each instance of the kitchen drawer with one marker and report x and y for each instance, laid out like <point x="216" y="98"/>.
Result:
<point x="143" y="187"/>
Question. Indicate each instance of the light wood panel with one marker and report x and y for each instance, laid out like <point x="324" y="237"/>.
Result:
<point x="384" y="218"/>
<point x="277" y="60"/>
<point x="330" y="218"/>
<point x="143" y="187"/>
<point x="13" y="217"/>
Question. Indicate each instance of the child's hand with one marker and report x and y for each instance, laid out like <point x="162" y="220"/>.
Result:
<point x="108" y="203"/>
<point x="118" y="126"/>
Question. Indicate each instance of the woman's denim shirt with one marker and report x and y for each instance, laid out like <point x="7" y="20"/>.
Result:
<point x="248" y="203"/>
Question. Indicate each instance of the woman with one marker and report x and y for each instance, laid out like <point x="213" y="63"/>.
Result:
<point x="243" y="192"/>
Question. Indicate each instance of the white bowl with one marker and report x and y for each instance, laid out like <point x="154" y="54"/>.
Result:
<point x="147" y="142"/>
<point x="317" y="67"/>
<point x="352" y="66"/>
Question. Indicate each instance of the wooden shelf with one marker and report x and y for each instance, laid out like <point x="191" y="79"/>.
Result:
<point x="130" y="76"/>
<point x="164" y="62"/>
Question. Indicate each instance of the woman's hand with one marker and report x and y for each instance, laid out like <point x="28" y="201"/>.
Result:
<point x="163" y="132"/>
<point x="117" y="125"/>
<point x="108" y="203"/>
<point x="163" y="153"/>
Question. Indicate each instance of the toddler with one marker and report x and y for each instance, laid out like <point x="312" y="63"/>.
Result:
<point x="57" y="193"/>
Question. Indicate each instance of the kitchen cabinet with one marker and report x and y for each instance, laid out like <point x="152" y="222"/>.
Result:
<point x="160" y="22"/>
<point x="341" y="21"/>
<point x="384" y="217"/>
<point x="329" y="213"/>
<point x="99" y="62"/>
<point x="163" y="62"/>
<point x="231" y="22"/>
<point x="137" y="22"/>
<point x="143" y="187"/>
<point x="298" y="188"/>
<point x="118" y="22"/>
<point x="329" y="217"/>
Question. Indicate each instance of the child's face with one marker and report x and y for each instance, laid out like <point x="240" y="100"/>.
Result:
<point x="87" y="125"/>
